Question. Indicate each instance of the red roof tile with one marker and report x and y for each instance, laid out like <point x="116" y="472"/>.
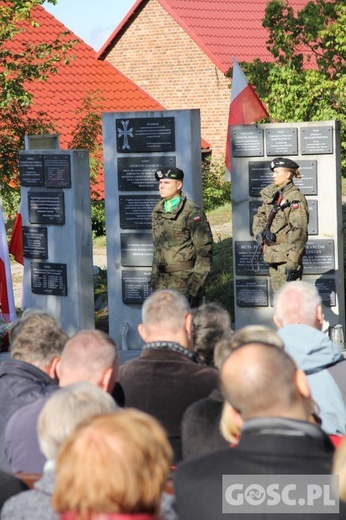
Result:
<point x="222" y="28"/>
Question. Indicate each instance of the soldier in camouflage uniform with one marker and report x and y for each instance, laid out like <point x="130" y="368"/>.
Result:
<point x="182" y="240"/>
<point x="284" y="241"/>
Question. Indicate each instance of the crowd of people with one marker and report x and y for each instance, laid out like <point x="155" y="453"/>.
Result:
<point x="87" y="438"/>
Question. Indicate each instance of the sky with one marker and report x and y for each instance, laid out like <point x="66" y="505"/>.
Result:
<point x="91" y="20"/>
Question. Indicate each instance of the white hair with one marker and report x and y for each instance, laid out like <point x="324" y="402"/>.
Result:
<point x="297" y="302"/>
<point x="65" y="409"/>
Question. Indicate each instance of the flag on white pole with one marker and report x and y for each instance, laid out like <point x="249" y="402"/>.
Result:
<point x="245" y="108"/>
<point x="16" y="242"/>
<point x="8" y="308"/>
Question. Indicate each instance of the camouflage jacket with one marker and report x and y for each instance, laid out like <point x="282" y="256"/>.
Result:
<point x="182" y="235"/>
<point x="290" y="224"/>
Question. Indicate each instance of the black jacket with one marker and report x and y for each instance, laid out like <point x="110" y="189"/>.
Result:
<point x="267" y="446"/>
<point x="20" y="383"/>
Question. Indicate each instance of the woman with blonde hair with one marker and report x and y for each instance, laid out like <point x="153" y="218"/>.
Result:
<point x="113" y="467"/>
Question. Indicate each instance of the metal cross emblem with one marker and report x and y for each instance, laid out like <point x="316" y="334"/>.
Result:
<point x="124" y="132"/>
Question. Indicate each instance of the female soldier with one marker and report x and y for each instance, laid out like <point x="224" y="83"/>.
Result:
<point x="281" y="223"/>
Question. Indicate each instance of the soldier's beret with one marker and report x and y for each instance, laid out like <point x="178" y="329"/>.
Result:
<point x="283" y="162"/>
<point x="169" y="173"/>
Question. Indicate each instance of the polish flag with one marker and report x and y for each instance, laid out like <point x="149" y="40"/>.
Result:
<point x="8" y="308"/>
<point x="16" y="242"/>
<point x="245" y="108"/>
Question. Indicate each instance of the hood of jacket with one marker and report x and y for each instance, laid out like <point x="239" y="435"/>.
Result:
<point x="311" y="349"/>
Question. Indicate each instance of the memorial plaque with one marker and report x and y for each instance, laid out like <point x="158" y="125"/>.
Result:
<point x="253" y="208"/>
<point x="135" y="285"/>
<point x="308" y="183"/>
<point x="252" y="293"/>
<point x="46" y="207"/>
<point x="247" y="141"/>
<point x="244" y="252"/>
<point x="137" y="249"/>
<point x="145" y="134"/>
<point x="136" y="211"/>
<point x="319" y="257"/>
<point x="48" y="278"/>
<point x="327" y="290"/>
<point x="282" y="141"/>
<point x="138" y="173"/>
<point x="313" y="215"/>
<point x="260" y="175"/>
<point x="57" y="171"/>
<point x="316" y="140"/>
<point x="31" y="170"/>
<point x="35" y="243"/>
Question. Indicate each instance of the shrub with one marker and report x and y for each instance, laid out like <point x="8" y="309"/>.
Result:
<point x="216" y="190"/>
<point x="98" y="218"/>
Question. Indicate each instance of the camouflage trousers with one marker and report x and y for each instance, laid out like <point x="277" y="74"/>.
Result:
<point x="278" y="276"/>
<point x="179" y="281"/>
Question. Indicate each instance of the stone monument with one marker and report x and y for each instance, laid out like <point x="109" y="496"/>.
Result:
<point x="135" y="145"/>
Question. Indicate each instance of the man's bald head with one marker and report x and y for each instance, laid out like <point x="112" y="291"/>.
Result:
<point x="259" y="379"/>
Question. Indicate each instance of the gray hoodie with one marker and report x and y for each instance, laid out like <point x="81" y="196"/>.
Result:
<point x="314" y="353"/>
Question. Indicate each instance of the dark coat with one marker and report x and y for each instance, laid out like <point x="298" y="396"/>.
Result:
<point x="20" y="384"/>
<point x="9" y="486"/>
<point x="164" y="383"/>
<point x="264" y="448"/>
<point x="201" y="426"/>
<point x="22" y="448"/>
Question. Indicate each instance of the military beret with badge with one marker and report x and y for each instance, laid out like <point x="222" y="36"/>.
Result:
<point x="169" y="173"/>
<point x="283" y="162"/>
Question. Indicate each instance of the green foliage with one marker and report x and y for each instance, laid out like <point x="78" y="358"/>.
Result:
<point x="87" y="134"/>
<point x="309" y="85"/>
<point x="219" y="286"/>
<point x="216" y="190"/>
<point x="98" y="219"/>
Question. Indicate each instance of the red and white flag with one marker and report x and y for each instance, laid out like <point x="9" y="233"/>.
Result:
<point x="245" y="108"/>
<point x="16" y="242"/>
<point x="8" y="308"/>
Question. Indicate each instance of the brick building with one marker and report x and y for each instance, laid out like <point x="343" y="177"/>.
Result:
<point x="178" y="51"/>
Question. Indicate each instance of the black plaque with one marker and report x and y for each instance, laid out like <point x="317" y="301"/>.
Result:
<point x="252" y="293"/>
<point x="46" y="207"/>
<point x="319" y="257"/>
<point x="35" y="243"/>
<point x="244" y="252"/>
<point x="47" y="278"/>
<point x="145" y="134"/>
<point x="31" y="170"/>
<point x="137" y="173"/>
<point x="247" y="141"/>
<point x="316" y="140"/>
<point x="136" y="211"/>
<point x="136" y="249"/>
<point x="327" y="289"/>
<point x="135" y="285"/>
<point x="313" y="215"/>
<point x="57" y="171"/>
<point x="282" y="141"/>
<point x="260" y="175"/>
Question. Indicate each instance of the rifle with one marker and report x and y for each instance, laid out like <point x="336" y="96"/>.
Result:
<point x="266" y="232"/>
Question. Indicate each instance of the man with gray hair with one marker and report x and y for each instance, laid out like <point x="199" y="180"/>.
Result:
<point x="298" y="314"/>
<point x="166" y="378"/>
<point x="89" y="355"/>
<point x="36" y="343"/>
